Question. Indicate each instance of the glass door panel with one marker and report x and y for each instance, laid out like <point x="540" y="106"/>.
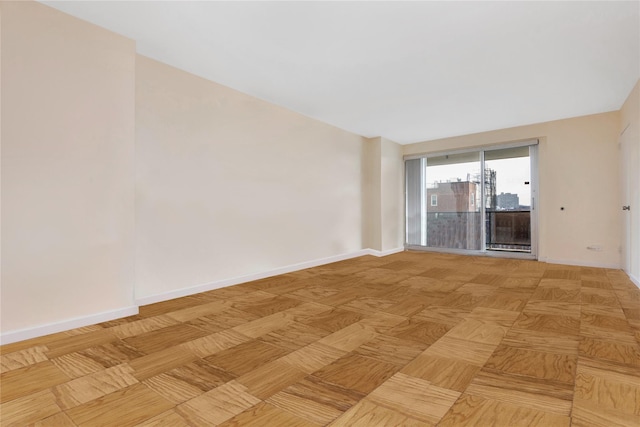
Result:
<point x="507" y="188"/>
<point x="452" y="202"/>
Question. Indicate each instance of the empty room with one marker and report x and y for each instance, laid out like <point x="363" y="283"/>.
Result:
<point x="319" y="213"/>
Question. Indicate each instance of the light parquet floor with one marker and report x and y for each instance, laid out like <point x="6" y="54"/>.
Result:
<point x="411" y="339"/>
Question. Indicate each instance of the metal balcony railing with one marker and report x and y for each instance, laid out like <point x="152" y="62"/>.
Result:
<point x="505" y="230"/>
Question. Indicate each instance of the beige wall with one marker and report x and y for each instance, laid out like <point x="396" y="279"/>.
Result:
<point x="578" y="168"/>
<point x="228" y="185"/>
<point x="371" y="179"/>
<point x="630" y="167"/>
<point x="67" y="168"/>
<point x="383" y="193"/>
<point x="391" y="195"/>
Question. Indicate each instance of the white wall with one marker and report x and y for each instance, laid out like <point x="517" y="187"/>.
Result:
<point x="229" y="185"/>
<point x="67" y="170"/>
<point x="578" y="168"/>
<point x="630" y="165"/>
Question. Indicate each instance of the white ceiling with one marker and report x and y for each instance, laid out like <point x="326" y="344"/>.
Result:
<point x="407" y="71"/>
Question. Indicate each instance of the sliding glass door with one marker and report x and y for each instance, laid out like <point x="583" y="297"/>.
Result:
<point x="476" y="201"/>
<point x="508" y="208"/>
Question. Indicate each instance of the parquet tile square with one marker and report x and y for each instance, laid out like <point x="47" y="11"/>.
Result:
<point x="200" y="310"/>
<point x="535" y="364"/>
<point x="350" y="337"/>
<point x="550" y="323"/>
<point x="264" y="325"/>
<point x="201" y="375"/>
<point x="536" y="393"/>
<point x="366" y="413"/>
<point x="443" y="372"/>
<point x="75" y="365"/>
<point x="437" y="272"/>
<point x="368" y="305"/>
<point x="502" y="300"/>
<point x="627" y="354"/>
<point x="542" y="341"/>
<point x="462" y="300"/>
<point x="229" y="318"/>
<point x="312" y="293"/>
<point x="265" y="414"/>
<point x="606" y="389"/>
<point x="414" y="397"/>
<point x="410" y="339"/>
<point x="410" y="305"/>
<point x="58" y="420"/>
<point x="556" y="293"/>
<point x="28" y="409"/>
<point x="382" y="322"/>
<point x="245" y="357"/>
<point x="600" y="283"/>
<point x="489" y="279"/>
<point x="478" y="331"/>
<point x="559" y="308"/>
<point x="161" y="361"/>
<point x="356" y="372"/>
<point x="171" y="388"/>
<point x="307" y="409"/>
<point x="270" y="378"/>
<point x="445" y="315"/>
<point x="112" y="353"/>
<point x="164" y="307"/>
<point x="82" y="390"/>
<point x="586" y="414"/>
<point x="130" y="329"/>
<point x="568" y="274"/>
<point x="21" y="358"/>
<point x="315" y="400"/>
<point x="520" y="283"/>
<point x="214" y="343"/>
<point x="74" y="343"/>
<point x="599" y="297"/>
<point x="157" y="340"/>
<point x="294" y="336"/>
<point x="473" y="353"/>
<point x="166" y="419"/>
<point x="269" y="306"/>
<point x="218" y="405"/>
<point x="313" y="357"/>
<point x="391" y="350"/>
<point x="421" y="331"/>
<point x="126" y="407"/>
<point x="30" y="379"/>
<point x="500" y="317"/>
<point x="472" y="410"/>
<point x="334" y="320"/>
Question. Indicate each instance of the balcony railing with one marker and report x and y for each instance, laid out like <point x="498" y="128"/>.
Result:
<point x="505" y="230"/>
<point x="509" y="230"/>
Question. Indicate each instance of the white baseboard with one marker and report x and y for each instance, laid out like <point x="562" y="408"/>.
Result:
<point x="65" y="325"/>
<point x="634" y="279"/>
<point x="384" y="253"/>
<point x="579" y="263"/>
<point x="178" y="293"/>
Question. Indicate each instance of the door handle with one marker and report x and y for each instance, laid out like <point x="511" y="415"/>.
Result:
<point x="626" y="208"/>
